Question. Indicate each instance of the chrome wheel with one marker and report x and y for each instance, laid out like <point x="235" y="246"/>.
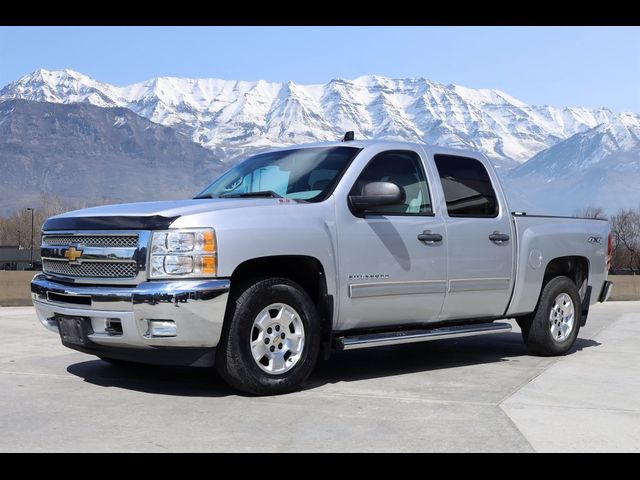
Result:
<point x="561" y="317"/>
<point x="277" y="338"/>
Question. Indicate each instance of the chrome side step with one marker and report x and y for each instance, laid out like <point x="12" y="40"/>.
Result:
<point x="411" y="336"/>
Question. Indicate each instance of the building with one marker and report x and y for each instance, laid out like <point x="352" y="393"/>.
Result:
<point x="13" y="257"/>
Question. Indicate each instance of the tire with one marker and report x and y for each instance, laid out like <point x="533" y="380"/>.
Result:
<point x="253" y="315"/>
<point x="553" y="328"/>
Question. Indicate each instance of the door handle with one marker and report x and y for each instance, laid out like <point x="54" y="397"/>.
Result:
<point x="429" y="238"/>
<point x="497" y="237"/>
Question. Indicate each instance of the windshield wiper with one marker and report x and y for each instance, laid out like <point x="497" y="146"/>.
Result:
<point x="264" y="193"/>
<point x="206" y="195"/>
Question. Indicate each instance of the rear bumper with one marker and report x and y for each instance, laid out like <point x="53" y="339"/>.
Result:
<point x="195" y="307"/>
<point x="607" y="287"/>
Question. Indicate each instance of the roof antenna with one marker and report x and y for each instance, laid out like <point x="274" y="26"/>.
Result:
<point x="348" y="137"/>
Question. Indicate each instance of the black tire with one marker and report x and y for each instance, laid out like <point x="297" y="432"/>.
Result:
<point x="234" y="359"/>
<point x="536" y="327"/>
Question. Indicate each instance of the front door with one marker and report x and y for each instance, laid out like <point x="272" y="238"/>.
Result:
<point x="480" y="243"/>
<point x="388" y="275"/>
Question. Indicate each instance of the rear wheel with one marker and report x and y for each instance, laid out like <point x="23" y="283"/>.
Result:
<point x="553" y="328"/>
<point x="271" y="338"/>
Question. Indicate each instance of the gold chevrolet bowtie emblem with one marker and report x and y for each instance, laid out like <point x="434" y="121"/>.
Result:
<point x="72" y="254"/>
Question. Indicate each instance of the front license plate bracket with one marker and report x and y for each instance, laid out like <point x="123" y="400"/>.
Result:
<point x="74" y="330"/>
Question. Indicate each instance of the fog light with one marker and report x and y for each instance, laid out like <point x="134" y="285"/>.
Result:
<point x="161" y="328"/>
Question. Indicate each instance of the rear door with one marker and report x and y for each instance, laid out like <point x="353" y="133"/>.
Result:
<point x="480" y="243"/>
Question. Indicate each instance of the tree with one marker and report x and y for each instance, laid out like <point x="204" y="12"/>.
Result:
<point x="590" y="212"/>
<point x="16" y="229"/>
<point x="625" y="228"/>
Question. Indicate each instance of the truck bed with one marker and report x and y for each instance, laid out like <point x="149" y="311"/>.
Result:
<point x="541" y="239"/>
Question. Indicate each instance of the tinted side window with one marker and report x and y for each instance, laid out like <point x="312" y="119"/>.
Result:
<point x="404" y="168"/>
<point x="467" y="187"/>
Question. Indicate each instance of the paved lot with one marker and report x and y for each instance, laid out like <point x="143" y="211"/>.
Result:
<point x="472" y="394"/>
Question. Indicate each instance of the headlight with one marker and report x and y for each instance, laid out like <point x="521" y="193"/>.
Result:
<point x="184" y="253"/>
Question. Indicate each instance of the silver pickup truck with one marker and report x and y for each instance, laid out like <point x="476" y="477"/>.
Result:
<point x="297" y="252"/>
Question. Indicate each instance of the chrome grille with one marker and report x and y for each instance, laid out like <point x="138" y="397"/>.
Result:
<point x="100" y="241"/>
<point x="91" y="269"/>
<point x="110" y="257"/>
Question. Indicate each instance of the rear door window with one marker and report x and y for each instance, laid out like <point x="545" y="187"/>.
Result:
<point x="467" y="187"/>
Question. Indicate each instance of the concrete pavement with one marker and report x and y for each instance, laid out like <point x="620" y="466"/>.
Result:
<point x="589" y="401"/>
<point x="470" y="394"/>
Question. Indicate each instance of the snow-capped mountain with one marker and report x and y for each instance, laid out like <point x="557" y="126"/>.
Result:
<point x="574" y="156"/>
<point x="239" y="116"/>
<point x="599" y="167"/>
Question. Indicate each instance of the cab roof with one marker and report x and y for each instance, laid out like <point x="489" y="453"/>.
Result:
<point x="391" y="144"/>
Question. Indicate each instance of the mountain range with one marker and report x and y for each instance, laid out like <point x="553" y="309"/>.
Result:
<point x="89" y="155"/>
<point x="598" y="167"/>
<point x="231" y="119"/>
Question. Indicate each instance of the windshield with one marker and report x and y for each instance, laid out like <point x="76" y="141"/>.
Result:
<point x="303" y="173"/>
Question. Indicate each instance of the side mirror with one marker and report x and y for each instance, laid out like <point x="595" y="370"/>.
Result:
<point x="377" y="194"/>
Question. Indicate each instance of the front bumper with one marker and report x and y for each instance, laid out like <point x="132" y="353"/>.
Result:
<point x="196" y="308"/>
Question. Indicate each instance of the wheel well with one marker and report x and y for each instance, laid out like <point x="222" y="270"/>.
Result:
<point x="576" y="268"/>
<point x="304" y="270"/>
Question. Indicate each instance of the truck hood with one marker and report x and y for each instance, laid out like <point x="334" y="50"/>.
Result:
<point x="145" y="215"/>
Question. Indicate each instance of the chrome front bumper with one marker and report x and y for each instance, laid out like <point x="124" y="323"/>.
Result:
<point x="196" y="307"/>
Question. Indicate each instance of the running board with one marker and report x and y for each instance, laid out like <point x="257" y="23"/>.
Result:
<point x="368" y="340"/>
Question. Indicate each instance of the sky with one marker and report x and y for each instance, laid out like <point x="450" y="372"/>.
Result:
<point x="560" y="66"/>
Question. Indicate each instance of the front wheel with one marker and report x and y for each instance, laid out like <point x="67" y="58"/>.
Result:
<point x="271" y="338"/>
<point x="553" y="328"/>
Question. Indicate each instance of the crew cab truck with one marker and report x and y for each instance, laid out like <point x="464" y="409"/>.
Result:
<point x="302" y="250"/>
